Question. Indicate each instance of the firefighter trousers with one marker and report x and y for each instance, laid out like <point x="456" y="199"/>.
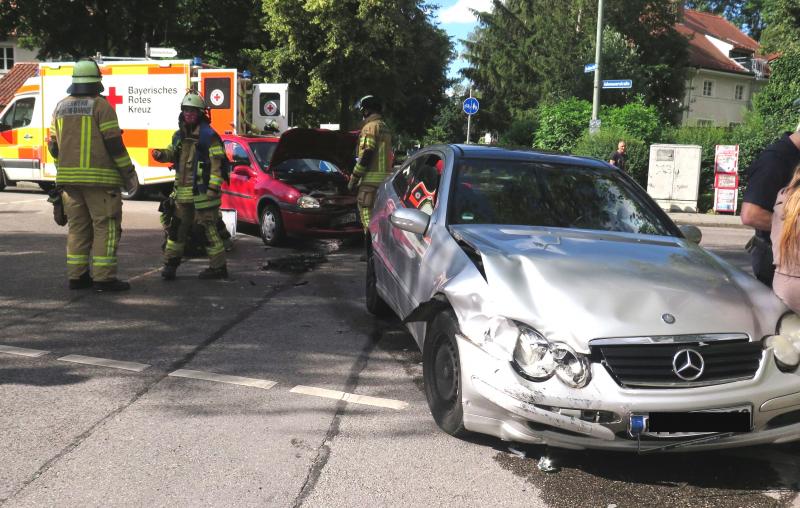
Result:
<point x="365" y="200"/>
<point x="180" y="226"/>
<point x="94" y="215"/>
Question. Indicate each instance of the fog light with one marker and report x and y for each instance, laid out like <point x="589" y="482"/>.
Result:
<point x="787" y="357"/>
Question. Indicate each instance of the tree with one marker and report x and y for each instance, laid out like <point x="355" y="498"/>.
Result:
<point x="332" y="52"/>
<point x="72" y="30"/>
<point x="782" y="32"/>
<point x="449" y="123"/>
<point x="526" y="51"/>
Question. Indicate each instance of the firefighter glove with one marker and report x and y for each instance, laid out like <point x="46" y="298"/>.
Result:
<point x="353" y="183"/>
<point x="131" y="180"/>
<point x="57" y="200"/>
<point x="157" y="154"/>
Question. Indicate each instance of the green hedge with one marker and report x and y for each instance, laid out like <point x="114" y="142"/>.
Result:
<point x="604" y="143"/>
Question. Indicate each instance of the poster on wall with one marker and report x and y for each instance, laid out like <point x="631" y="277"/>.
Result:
<point x="726" y="159"/>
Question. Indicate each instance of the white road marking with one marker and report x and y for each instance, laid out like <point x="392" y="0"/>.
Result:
<point x="24" y="201"/>
<point x="23" y="253"/>
<point x="105" y="362"/>
<point x="145" y="274"/>
<point x="224" y="378"/>
<point x="21" y="351"/>
<point x="350" y="397"/>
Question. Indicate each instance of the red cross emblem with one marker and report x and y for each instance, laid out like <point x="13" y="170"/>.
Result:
<point x="113" y="98"/>
<point x="270" y="108"/>
<point x="217" y="97"/>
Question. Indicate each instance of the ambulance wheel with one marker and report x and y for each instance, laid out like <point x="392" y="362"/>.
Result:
<point x="136" y="193"/>
<point x="47" y="186"/>
<point x="271" y="225"/>
<point x="3" y="180"/>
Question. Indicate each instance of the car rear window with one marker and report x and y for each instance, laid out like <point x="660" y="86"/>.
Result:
<point x="552" y="195"/>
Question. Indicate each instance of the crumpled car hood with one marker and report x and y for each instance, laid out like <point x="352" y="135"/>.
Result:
<point x="338" y="147"/>
<point x="577" y="285"/>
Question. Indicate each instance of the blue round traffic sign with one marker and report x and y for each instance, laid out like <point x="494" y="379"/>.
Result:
<point x="471" y="105"/>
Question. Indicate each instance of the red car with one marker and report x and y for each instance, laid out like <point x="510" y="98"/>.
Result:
<point x="293" y="185"/>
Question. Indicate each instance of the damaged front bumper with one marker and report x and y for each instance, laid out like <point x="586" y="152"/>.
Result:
<point x="498" y="402"/>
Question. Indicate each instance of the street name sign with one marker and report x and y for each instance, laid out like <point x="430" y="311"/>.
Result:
<point x="617" y="83"/>
<point x="590" y="67"/>
<point x="471" y="105"/>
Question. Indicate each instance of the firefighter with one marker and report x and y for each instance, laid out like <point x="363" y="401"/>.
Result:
<point x="196" y="151"/>
<point x="374" y="156"/>
<point x="92" y="164"/>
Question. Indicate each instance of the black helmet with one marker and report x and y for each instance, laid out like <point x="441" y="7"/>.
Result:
<point x="368" y="103"/>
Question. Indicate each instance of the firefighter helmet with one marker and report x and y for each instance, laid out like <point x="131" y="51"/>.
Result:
<point x="86" y="71"/>
<point x="193" y="100"/>
<point x="368" y="103"/>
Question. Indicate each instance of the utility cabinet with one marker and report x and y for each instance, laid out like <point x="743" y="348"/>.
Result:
<point x="673" y="179"/>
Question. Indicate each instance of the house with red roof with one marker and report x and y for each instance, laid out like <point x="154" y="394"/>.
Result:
<point x="726" y="69"/>
<point x="11" y="53"/>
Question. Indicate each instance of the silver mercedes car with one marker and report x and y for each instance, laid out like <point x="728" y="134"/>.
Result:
<point x="555" y="303"/>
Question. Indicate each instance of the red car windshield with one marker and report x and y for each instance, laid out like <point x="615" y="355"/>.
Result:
<point x="263" y="150"/>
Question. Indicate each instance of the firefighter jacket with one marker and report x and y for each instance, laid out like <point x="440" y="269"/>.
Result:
<point x="374" y="151"/>
<point x="197" y="155"/>
<point x="86" y="143"/>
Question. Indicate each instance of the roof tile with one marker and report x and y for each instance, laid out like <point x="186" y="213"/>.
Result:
<point x="13" y="79"/>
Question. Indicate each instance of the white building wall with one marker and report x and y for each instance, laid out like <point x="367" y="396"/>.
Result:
<point x="19" y="54"/>
<point x="721" y="108"/>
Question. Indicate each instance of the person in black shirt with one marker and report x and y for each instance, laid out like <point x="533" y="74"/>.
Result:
<point x="767" y="175"/>
<point x="618" y="158"/>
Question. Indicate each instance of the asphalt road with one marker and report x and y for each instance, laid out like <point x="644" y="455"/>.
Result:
<point x="273" y="388"/>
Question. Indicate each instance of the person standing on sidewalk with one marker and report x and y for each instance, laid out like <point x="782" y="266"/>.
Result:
<point x="785" y="235"/>
<point x="92" y="164"/>
<point x="197" y="153"/>
<point x="619" y="158"/>
<point x="767" y="175"/>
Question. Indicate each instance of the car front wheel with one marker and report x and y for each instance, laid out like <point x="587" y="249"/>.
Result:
<point x="441" y="369"/>
<point x="271" y="225"/>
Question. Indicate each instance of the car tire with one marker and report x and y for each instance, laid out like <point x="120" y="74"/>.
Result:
<point x="375" y="304"/>
<point x="441" y="370"/>
<point x="271" y="225"/>
<point x="46" y="186"/>
<point x="136" y="193"/>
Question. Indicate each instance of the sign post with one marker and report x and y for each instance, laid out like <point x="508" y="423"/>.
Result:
<point x="726" y="178"/>
<point x="471" y="106"/>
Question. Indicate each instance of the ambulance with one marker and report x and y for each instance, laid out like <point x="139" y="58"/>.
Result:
<point x="146" y="94"/>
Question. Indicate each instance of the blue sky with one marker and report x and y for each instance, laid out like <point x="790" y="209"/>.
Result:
<point x="457" y="19"/>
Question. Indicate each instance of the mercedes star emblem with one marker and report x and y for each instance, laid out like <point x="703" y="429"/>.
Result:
<point x="668" y="318"/>
<point x="688" y="364"/>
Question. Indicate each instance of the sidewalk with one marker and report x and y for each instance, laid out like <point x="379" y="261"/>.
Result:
<point x="708" y="220"/>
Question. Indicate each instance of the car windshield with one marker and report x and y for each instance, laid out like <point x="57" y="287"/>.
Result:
<point x="298" y="166"/>
<point x="543" y="194"/>
<point x="263" y="150"/>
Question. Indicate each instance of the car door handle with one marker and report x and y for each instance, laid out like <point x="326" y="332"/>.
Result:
<point x="27" y="136"/>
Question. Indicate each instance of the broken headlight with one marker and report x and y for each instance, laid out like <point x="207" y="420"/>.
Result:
<point x="307" y="202"/>
<point x="538" y="359"/>
<point x="786" y="345"/>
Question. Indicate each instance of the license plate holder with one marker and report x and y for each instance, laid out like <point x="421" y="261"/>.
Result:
<point x="347" y="218"/>
<point x="715" y="420"/>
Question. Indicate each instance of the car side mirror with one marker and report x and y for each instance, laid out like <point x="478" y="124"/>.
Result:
<point x="411" y="220"/>
<point x="242" y="171"/>
<point x="691" y="233"/>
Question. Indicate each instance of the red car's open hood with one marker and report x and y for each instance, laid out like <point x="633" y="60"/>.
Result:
<point x="338" y="147"/>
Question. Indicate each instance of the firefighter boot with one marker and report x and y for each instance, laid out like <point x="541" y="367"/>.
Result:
<point x="83" y="282"/>
<point x="214" y="273"/>
<point x="170" y="269"/>
<point x="111" y="285"/>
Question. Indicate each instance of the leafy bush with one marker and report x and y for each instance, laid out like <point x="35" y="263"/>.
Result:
<point x="560" y="124"/>
<point x="773" y="103"/>
<point x="635" y="119"/>
<point x="604" y="143"/>
<point x="521" y="130"/>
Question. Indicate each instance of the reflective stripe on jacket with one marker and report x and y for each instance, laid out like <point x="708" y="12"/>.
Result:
<point x="374" y="136"/>
<point x="198" y="174"/>
<point x="81" y="126"/>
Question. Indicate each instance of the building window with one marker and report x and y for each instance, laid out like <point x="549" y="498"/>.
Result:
<point x="6" y="58"/>
<point x="708" y="88"/>
<point x="705" y="123"/>
<point x="738" y="93"/>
